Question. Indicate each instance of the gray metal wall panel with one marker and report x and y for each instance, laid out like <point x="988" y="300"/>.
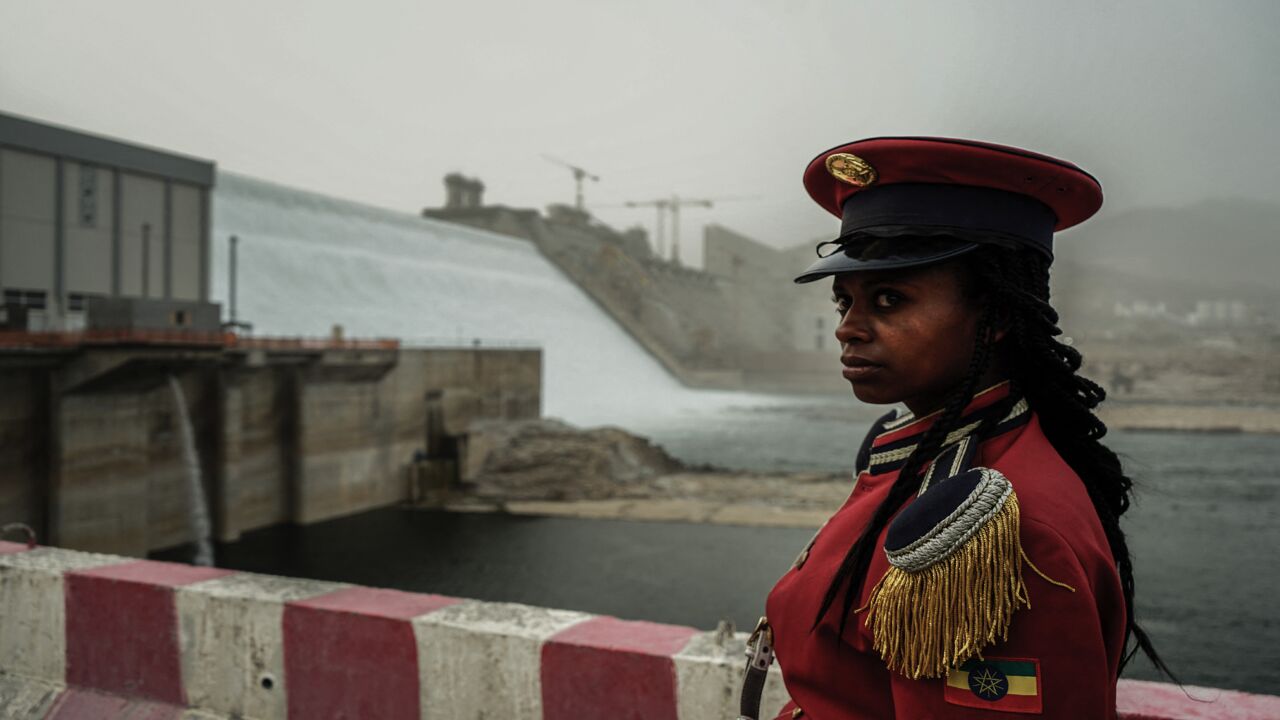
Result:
<point x="206" y="244"/>
<point x="185" y="220"/>
<point x="166" y="261"/>
<point x="87" y="246"/>
<point x="141" y="203"/>
<point x="116" y="242"/>
<point x="58" y="302"/>
<point x="28" y="220"/>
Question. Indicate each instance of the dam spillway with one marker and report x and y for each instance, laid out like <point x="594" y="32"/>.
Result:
<point x="308" y="262"/>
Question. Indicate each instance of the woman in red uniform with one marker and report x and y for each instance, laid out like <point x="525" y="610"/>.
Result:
<point x="978" y="568"/>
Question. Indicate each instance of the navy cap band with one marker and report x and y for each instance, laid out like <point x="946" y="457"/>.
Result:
<point x="965" y="212"/>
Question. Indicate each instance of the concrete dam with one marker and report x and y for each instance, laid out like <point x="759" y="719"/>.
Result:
<point x="291" y="422"/>
<point x="308" y="262"/>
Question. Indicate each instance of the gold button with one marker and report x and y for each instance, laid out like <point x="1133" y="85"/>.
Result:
<point x="797" y="713"/>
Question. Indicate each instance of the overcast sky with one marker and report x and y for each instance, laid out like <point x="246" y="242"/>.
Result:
<point x="1166" y="102"/>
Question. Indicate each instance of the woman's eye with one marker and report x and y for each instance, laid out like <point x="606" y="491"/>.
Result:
<point x="887" y="299"/>
<point x="842" y="305"/>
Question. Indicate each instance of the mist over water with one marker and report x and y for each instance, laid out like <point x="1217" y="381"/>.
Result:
<point x="308" y="262"/>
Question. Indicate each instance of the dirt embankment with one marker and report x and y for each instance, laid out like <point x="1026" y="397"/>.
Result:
<point x="546" y="467"/>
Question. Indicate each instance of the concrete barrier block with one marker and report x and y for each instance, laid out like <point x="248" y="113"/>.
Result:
<point x="352" y="654"/>
<point x="25" y="698"/>
<point x="232" y="642"/>
<point x="22" y="697"/>
<point x="481" y="660"/>
<point x="709" y="674"/>
<point x="77" y="703"/>
<point x="1142" y="700"/>
<point x="122" y="628"/>
<point x="9" y="548"/>
<point x="85" y="635"/>
<point x="606" y="668"/>
<point x="33" y="627"/>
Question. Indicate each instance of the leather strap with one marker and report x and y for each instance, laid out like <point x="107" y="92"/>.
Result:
<point x="759" y="658"/>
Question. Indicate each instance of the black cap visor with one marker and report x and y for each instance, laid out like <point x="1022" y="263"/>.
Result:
<point x="884" y="253"/>
<point x="912" y="224"/>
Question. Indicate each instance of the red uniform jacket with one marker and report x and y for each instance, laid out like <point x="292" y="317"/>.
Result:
<point x="1065" y="647"/>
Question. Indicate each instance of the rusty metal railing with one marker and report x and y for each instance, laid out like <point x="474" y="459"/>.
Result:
<point x="28" y="339"/>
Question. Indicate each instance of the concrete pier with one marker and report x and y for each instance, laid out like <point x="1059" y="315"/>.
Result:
<point x="286" y="431"/>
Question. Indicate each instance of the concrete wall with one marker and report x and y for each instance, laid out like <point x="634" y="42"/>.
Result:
<point x="704" y="327"/>
<point x="105" y="637"/>
<point x="91" y="443"/>
<point x="103" y="478"/>
<point x="23" y="452"/>
<point x="673" y="312"/>
<point x="257" y="451"/>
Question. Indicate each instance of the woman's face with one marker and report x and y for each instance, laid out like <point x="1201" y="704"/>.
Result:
<point x="906" y="335"/>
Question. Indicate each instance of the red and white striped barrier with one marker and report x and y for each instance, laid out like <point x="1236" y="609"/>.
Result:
<point x="97" y="636"/>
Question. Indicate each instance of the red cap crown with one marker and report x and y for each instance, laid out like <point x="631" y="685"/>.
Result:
<point x="1072" y="194"/>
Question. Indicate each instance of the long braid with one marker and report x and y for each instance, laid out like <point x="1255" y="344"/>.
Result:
<point x="1046" y="371"/>
<point x="853" y="568"/>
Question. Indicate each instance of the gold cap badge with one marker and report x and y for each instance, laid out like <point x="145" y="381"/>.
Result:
<point x="851" y="169"/>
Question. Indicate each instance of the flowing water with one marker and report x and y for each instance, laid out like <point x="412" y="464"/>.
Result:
<point x="197" y="505"/>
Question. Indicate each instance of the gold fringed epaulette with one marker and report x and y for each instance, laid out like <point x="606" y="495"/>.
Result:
<point x="955" y="576"/>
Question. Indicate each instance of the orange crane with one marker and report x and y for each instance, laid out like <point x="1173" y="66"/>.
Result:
<point x="578" y="176"/>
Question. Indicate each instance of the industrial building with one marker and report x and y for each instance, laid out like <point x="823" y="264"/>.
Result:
<point x="86" y="220"/>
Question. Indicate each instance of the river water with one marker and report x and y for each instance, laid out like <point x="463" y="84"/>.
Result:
<point x="1204" y="535"/>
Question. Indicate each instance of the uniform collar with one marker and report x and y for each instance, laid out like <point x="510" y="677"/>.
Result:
<point x="899" y="436"/>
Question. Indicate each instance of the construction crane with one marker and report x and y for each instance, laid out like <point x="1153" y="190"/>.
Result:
<point x="578" y="176"/>
<point x="659" y="227"/>
<point x="672" y="204"/>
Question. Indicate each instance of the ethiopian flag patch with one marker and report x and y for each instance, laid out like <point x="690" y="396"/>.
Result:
<point x="1005" y="684"/>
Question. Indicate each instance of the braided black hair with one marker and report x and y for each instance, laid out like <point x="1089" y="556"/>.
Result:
<point x="1012" y="289"/>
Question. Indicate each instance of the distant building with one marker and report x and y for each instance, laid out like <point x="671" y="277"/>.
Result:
<point x="85" y="217"/>
<point x="1219" y="312"/>
<point x="1142" y="309"/>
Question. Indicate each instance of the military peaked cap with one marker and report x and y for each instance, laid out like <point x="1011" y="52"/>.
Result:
<point x="905" y="201"/>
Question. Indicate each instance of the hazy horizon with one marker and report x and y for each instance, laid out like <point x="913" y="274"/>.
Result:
<point x="1168" y="103"/>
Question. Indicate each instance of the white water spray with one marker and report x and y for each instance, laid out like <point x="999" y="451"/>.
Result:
<point x="308" y="262"/>
<point x="197" y="510"/>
